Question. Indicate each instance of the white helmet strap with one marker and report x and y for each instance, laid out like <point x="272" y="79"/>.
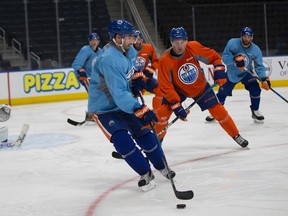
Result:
<point x="120" y="45"/>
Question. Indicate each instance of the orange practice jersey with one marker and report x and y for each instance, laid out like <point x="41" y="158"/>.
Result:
<point x="183" y="74"/>
<point x="147" y="53"/>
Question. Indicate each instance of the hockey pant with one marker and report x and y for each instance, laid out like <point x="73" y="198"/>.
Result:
<point x="125" y="145"/>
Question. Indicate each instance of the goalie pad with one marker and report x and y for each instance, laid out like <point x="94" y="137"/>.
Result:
<point x="3" y="134"/>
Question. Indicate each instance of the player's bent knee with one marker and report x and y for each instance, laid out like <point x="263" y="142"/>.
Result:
<point x="218" y="112"/>
<point x="254" y="89"/>
<point x="123" y="142"/>
<point x="147" y="142"/>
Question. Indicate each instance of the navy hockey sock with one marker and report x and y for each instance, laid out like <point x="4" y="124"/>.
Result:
<point x="254" y="91"/>
<point x="152" y="150"/>
<point x="125" y="145"/>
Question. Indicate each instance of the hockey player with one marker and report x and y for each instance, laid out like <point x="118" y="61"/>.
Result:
<point x="120" y="116"/>
<point x="146" y="66"/>
<point x="180" y="76"/>
<point x="5" y="111"/>
<point x="83" y="62"/>
<point x="238" y="54"/>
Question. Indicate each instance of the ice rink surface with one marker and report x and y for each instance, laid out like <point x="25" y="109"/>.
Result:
<point x="63" y="170"/>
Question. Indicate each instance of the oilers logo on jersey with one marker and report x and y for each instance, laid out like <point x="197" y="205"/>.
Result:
<point x="111" y="123"/>
<point x="188" y="73"/>
<point x="140" y="63"/>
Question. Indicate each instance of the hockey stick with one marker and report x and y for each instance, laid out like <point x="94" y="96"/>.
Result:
<point x="255" y="75"/>
<point x="22" y="135"/>
<point x="188" y="108"/>
<point x="75" y="123"/>
<point x="183" y="195"/>
<point x="19" y="140"/>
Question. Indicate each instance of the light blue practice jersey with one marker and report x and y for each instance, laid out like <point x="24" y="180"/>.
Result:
<point x="109" y="88"/>
<point x="85" y="58"/>
<point x="253" y="60"/>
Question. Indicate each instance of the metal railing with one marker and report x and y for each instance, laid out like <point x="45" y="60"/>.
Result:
<point x="36" y="58"/>
<point x="140" y="23"/>
<point x="16" y="46"/>
<point x="3" y="37"/>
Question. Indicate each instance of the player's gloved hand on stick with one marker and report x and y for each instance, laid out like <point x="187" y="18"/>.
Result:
<point x="145" y="115"/>
<point x="149" y="71"/>
<point x="138" y="82"/>
<point x="220" y="75"/>
<point x="266" y="83"/>
<point x="138" y="75"/>
<point x="239" y="62"/>
<point x="151" y="84"/>
<point x="83" y="77"/>
<point x="179" y="111"/>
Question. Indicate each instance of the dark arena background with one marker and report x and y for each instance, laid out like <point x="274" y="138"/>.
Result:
<point x="49" y="33"/>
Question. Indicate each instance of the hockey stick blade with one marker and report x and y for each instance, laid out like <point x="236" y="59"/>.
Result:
<point x="183" y="195"/>
<point x="75" y="123"/>
<point x="116" y="155"/>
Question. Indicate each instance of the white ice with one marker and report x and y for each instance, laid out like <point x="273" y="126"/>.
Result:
<point x="63" y="170"/>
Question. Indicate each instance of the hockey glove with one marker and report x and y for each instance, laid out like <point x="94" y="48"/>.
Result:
<point x="83" y="78"/>
<point x="151" y="83"/>
<point x="145" y="115"/>
<point x="239" y="62"/>
<point x="179" y="111"/>
<point x="220" y="76"/>
<point x="148" y="71"/>
<point x="266" y="83"/>
<point x="138" y="83"/>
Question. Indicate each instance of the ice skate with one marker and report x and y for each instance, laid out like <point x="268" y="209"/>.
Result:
<point x="241" y="141"/>
<point x="257" y="116"/>
<point x="146" y="181"/>
<point x="209" y="118"/>
<point x="167" y="173"/>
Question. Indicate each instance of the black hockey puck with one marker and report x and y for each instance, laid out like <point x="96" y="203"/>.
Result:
<point x="181" y="206"/>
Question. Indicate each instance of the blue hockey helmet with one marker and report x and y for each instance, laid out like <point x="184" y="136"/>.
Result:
<point x="247" y="31"/>
<point x="178" y="33"/>
<point x="137" y="33"/>
<point x="121" y="27"/>
<point x="93" y="36"/>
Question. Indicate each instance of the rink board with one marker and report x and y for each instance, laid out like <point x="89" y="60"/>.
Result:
<point x="38" y="86"/>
